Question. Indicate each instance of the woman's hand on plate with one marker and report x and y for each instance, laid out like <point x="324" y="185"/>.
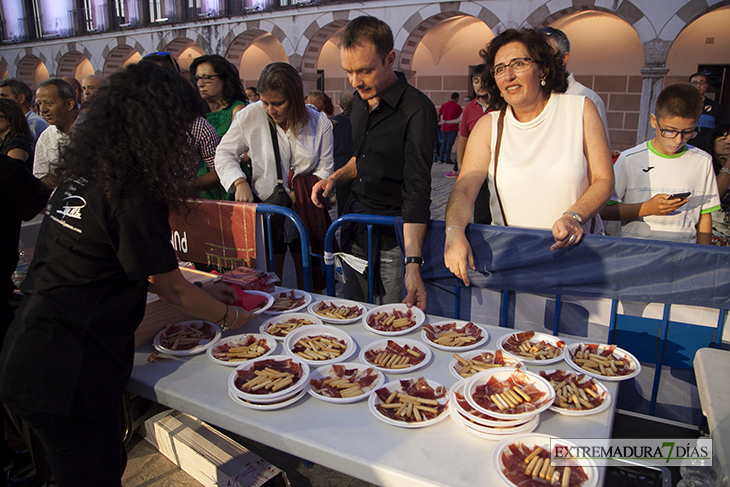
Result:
<point x="221" y="291"/>
<point x="458" y="254"/>
<point x="566" y="232"/>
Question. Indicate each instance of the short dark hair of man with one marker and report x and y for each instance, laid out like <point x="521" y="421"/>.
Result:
<point x="367" y="28"/>
<point x="540" y="51"/>
<point x="253" y="90"/>
<point x="679" y="100"/>
<point x="346" y="100"/>
<point x="18" y="87"/>
<point x="479" y="70"/>
<point x="690" y="78"/>
<point x="562" y="44"/>
<point x="64" y="88"/>
<point x="454" y="96"/>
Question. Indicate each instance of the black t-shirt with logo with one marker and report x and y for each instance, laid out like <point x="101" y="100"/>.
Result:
<point x="70" y="349"/>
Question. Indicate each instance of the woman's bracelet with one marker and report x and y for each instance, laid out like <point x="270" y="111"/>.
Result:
<point x="224" y="325"/>
<point x="236" y="310"/>
<point x="455" y="226"/>
<point x="725" y="170"/>
<point x="235" y="185"/>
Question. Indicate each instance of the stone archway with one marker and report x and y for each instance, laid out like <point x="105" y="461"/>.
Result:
<point x="244" y="34"/>
<point x="177" y="41"/>
<point x="116" y="53"/>
<point x="26" y="68"/>
<point x="67" y="64"/>
<point x="418" y="25"/>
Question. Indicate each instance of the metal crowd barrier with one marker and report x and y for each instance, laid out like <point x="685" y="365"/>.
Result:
<point x="329" y="245"/>
<point x="267" y="211"/>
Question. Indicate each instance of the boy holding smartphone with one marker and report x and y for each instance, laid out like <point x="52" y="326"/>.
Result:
<point x="653" y="178"/>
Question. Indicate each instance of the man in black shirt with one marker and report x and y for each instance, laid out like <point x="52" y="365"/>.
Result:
<point x="394" y="129"/>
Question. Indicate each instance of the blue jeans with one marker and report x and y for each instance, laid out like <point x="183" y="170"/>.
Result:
<point x="447" y="143"/>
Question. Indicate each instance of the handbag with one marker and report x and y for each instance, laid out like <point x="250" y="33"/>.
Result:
<point x="279" y="197"/>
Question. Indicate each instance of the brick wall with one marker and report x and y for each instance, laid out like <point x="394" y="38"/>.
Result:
<point x="622" y="96"/>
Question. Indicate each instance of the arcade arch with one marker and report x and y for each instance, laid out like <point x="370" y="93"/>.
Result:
<point x="32" y="70"/>
<point x="255" y="52"/>
<point x="444" y="53"/>
<point x="119" y="56"/>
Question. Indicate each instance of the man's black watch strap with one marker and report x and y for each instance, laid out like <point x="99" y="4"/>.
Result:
<point x="413" y="260"/>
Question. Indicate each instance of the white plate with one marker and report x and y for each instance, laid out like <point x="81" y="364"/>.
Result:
<point x="539" y="337"/>
<point x="264" y="328"/>
<point x="492" y="433"/>
<point x="511" y="361"/>
<point x="618" y="351"/>
<point x="501" y="374"/>
<point x="200" y="348"/>
<point x="395" y="385"/>
<point x="458" y="387"/>
<point x="474" y="432"/>
<point x="267" y="407"/>
<point x="381" y="344"/>
<point x="273" y="396"/>
<point x="315" y="330"/>
<point x="337" y="302"/>
<point x="324" y="372"/>
<point x="297" y="294"/>
<point x="389" y="308"/>
<point x="532" y="440"/>
<point x="459" y="323"/>
<point x="269" y="300"/>
<point x="240" y="338"/>
<point x="602" y="391"/>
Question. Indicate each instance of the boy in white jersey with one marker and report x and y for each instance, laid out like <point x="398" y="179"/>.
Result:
<point x="653" y="178"/>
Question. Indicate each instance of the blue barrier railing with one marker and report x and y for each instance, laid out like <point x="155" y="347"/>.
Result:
<point x="329" y="245"/>
<point x="267" y="211"/>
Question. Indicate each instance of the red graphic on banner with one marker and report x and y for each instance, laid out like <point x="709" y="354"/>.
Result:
<point x="217" y="233"/>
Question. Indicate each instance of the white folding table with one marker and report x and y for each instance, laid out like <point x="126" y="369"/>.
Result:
<point x="348" y="438"/>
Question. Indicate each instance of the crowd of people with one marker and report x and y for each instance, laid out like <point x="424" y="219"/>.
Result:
<point x="121" y="153"/>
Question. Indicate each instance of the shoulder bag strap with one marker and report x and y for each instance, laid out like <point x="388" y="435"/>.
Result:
<point x="500" y="129"/>
<point x="277" y="156"/>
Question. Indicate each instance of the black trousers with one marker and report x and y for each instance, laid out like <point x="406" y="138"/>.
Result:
<point x="81" y="452"/>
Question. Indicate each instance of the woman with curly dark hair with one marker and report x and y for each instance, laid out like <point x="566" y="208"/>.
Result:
<point x="538" y="141"/>
<point x="16" y="140"/>
<point x="104" y="241"/>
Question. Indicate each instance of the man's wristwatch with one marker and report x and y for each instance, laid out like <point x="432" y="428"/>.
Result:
<point x="413" y="260"/>
<point x="574" y="216"/>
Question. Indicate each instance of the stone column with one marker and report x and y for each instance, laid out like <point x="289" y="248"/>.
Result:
<point x="650" y="89"/>
<point x="309" y="80"/>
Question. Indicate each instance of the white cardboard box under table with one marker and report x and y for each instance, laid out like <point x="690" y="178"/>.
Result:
<point x="205" y="454"/>
<point x="347" y="437"/>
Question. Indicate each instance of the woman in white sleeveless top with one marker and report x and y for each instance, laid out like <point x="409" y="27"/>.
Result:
<point x="548" y="166"/>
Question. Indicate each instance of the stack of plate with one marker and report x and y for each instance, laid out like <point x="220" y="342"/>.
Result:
<point x="478" y="419"/>
<point x="265" y="398"/>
